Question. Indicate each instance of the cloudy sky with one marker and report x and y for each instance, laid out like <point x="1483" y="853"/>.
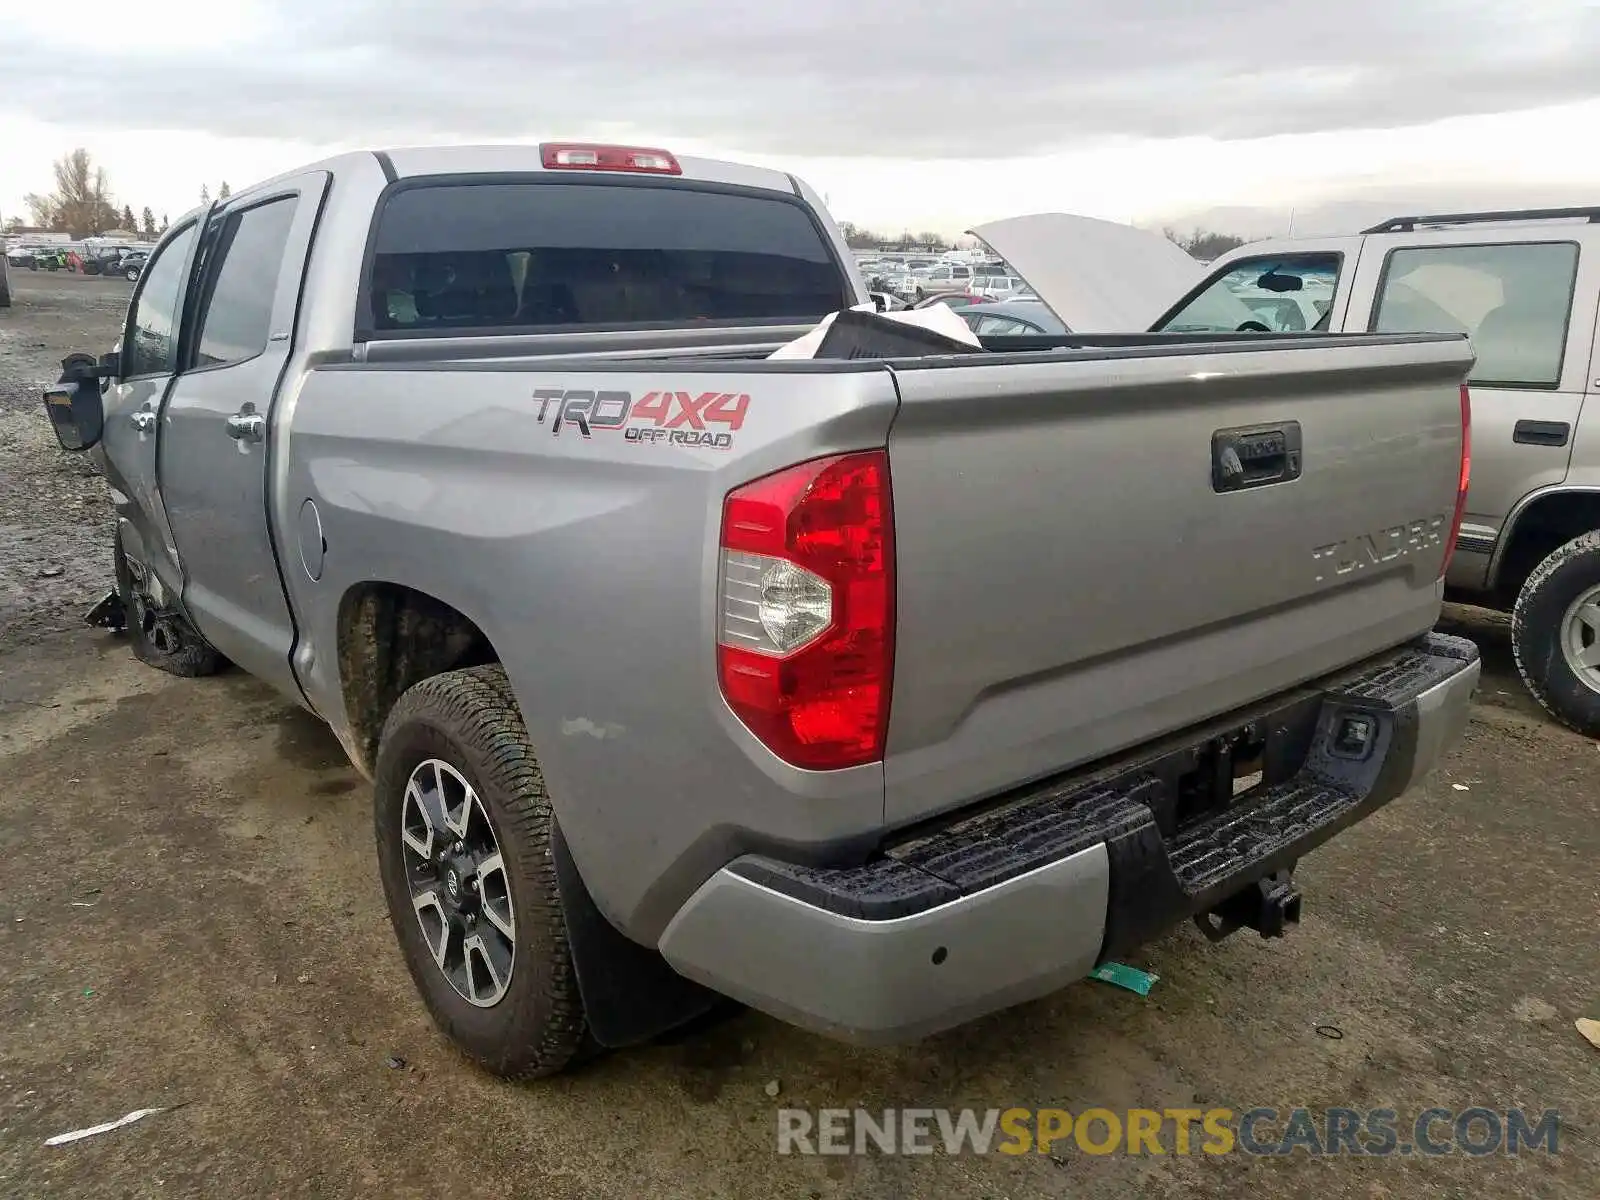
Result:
<point x="925" y="114"/>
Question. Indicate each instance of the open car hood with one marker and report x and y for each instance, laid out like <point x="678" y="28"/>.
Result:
<point x="1097" y="276"/>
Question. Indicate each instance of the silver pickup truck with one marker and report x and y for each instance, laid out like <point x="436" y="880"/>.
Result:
<point x="876" y="693"/>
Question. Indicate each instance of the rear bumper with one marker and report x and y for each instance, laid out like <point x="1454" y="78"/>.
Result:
<point x="1027" y="896"/>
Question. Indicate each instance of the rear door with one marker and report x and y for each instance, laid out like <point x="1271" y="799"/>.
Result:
<point x="1526" y="297"/>
<point x="149" y="360"/>
<point x="215" y="443"/>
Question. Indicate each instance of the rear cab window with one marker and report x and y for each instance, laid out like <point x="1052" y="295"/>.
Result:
<point x="242" y="279"/>
<point x="486" y="255"/>
<point x="1513" y="299"/>
<point x="1283" y="293"/>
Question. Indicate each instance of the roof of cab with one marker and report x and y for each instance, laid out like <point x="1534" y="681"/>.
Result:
<point x="460" y="160"/>
<point x="520" y="159"/>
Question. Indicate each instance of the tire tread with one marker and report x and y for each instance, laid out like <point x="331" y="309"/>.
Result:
<point x="1531" y="636"/>
<point x="477" y="707"/>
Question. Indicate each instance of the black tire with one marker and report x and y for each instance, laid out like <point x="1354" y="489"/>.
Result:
<point x="167" y="643"/>
<point x="469" y="719"/>
<point x="133" y="274"/>
<point x="1537" y="631"/>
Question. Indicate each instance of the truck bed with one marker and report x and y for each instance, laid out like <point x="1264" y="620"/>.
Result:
<point x="1068" y="581"/>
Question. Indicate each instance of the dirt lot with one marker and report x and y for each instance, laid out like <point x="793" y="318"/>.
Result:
<point x="194" y="919"/>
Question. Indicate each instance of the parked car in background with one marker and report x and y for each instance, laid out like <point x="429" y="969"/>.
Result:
<point x="1012" y="318"/>
<point x="1524" y="286"/>
<point x="104" y="260"/>
<point x="996" y="287"/>
<point x="955" y="299"/>
<point x="1097" y="276"/>
<point x="943" y="277"/>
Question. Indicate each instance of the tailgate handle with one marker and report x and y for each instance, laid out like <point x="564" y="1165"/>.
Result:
<point x="1255" y="456"/>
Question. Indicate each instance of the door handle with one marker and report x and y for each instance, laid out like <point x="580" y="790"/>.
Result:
<point x="1541" y="433"/>
<point x="144" y="420"/>
<point x="247" y="426"/>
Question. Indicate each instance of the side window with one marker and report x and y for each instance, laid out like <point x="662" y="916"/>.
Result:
<point x="242" y="280"/>
<point x="1287" y="294"/>
<point x="1002" y="327"/>
<point x="151" y="343"/>
<point x="1512" y="300"/>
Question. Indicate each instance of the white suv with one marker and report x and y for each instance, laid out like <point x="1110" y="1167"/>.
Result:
<point x="1525" y="286"/>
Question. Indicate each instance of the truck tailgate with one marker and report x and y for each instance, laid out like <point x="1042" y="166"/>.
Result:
<point x="1070" y="580"/>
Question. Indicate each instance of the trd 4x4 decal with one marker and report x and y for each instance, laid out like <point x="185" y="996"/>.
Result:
<point x="676" y="418"/>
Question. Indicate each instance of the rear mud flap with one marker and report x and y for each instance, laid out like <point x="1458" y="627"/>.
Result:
<point x="630" y="994"/>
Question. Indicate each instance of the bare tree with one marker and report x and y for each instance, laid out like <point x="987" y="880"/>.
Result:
<point x="1204" y="244"/>
<point x="81" y="203"/>
<point x="205" y="194"/>
<point x="859" y="238"/>
<point x="937" y="241"/>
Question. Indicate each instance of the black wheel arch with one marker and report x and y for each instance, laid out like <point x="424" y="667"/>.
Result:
<point x="1539" y="525"/>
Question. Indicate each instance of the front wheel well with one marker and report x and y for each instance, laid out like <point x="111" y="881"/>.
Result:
<point x="392" y="637"/>
<point x="1546" y="525"/>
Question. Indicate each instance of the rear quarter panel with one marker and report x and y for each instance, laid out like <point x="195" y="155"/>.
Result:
<point x="590" y="563"/>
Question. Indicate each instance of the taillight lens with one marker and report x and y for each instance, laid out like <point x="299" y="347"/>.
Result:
<point x="805" y="636"/>
<point x="1466" y="478"/>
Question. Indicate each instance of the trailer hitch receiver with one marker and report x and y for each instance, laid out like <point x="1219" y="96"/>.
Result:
<point x="1269" y="906"/>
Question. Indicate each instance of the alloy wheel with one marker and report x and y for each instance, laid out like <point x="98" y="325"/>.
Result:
<point x="459" y="887"/>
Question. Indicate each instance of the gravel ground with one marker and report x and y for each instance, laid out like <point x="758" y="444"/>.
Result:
<point x="191" y="916"/>
<point x="55" y="517"/>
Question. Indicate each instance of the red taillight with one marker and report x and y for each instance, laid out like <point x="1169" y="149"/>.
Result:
<point x="1466" y="478"/>
<point x="583" y="156"/>
<point x="805" y="637"/>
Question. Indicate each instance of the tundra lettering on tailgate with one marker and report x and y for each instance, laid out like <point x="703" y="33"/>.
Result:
<point x="1380" y="546"/>
<point x="673" y="417"/>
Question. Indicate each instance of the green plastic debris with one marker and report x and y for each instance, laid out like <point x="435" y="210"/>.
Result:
<point x="1124" y="976"/>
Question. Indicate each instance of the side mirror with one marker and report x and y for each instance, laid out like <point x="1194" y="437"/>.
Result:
<point x="73" y="405"/>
